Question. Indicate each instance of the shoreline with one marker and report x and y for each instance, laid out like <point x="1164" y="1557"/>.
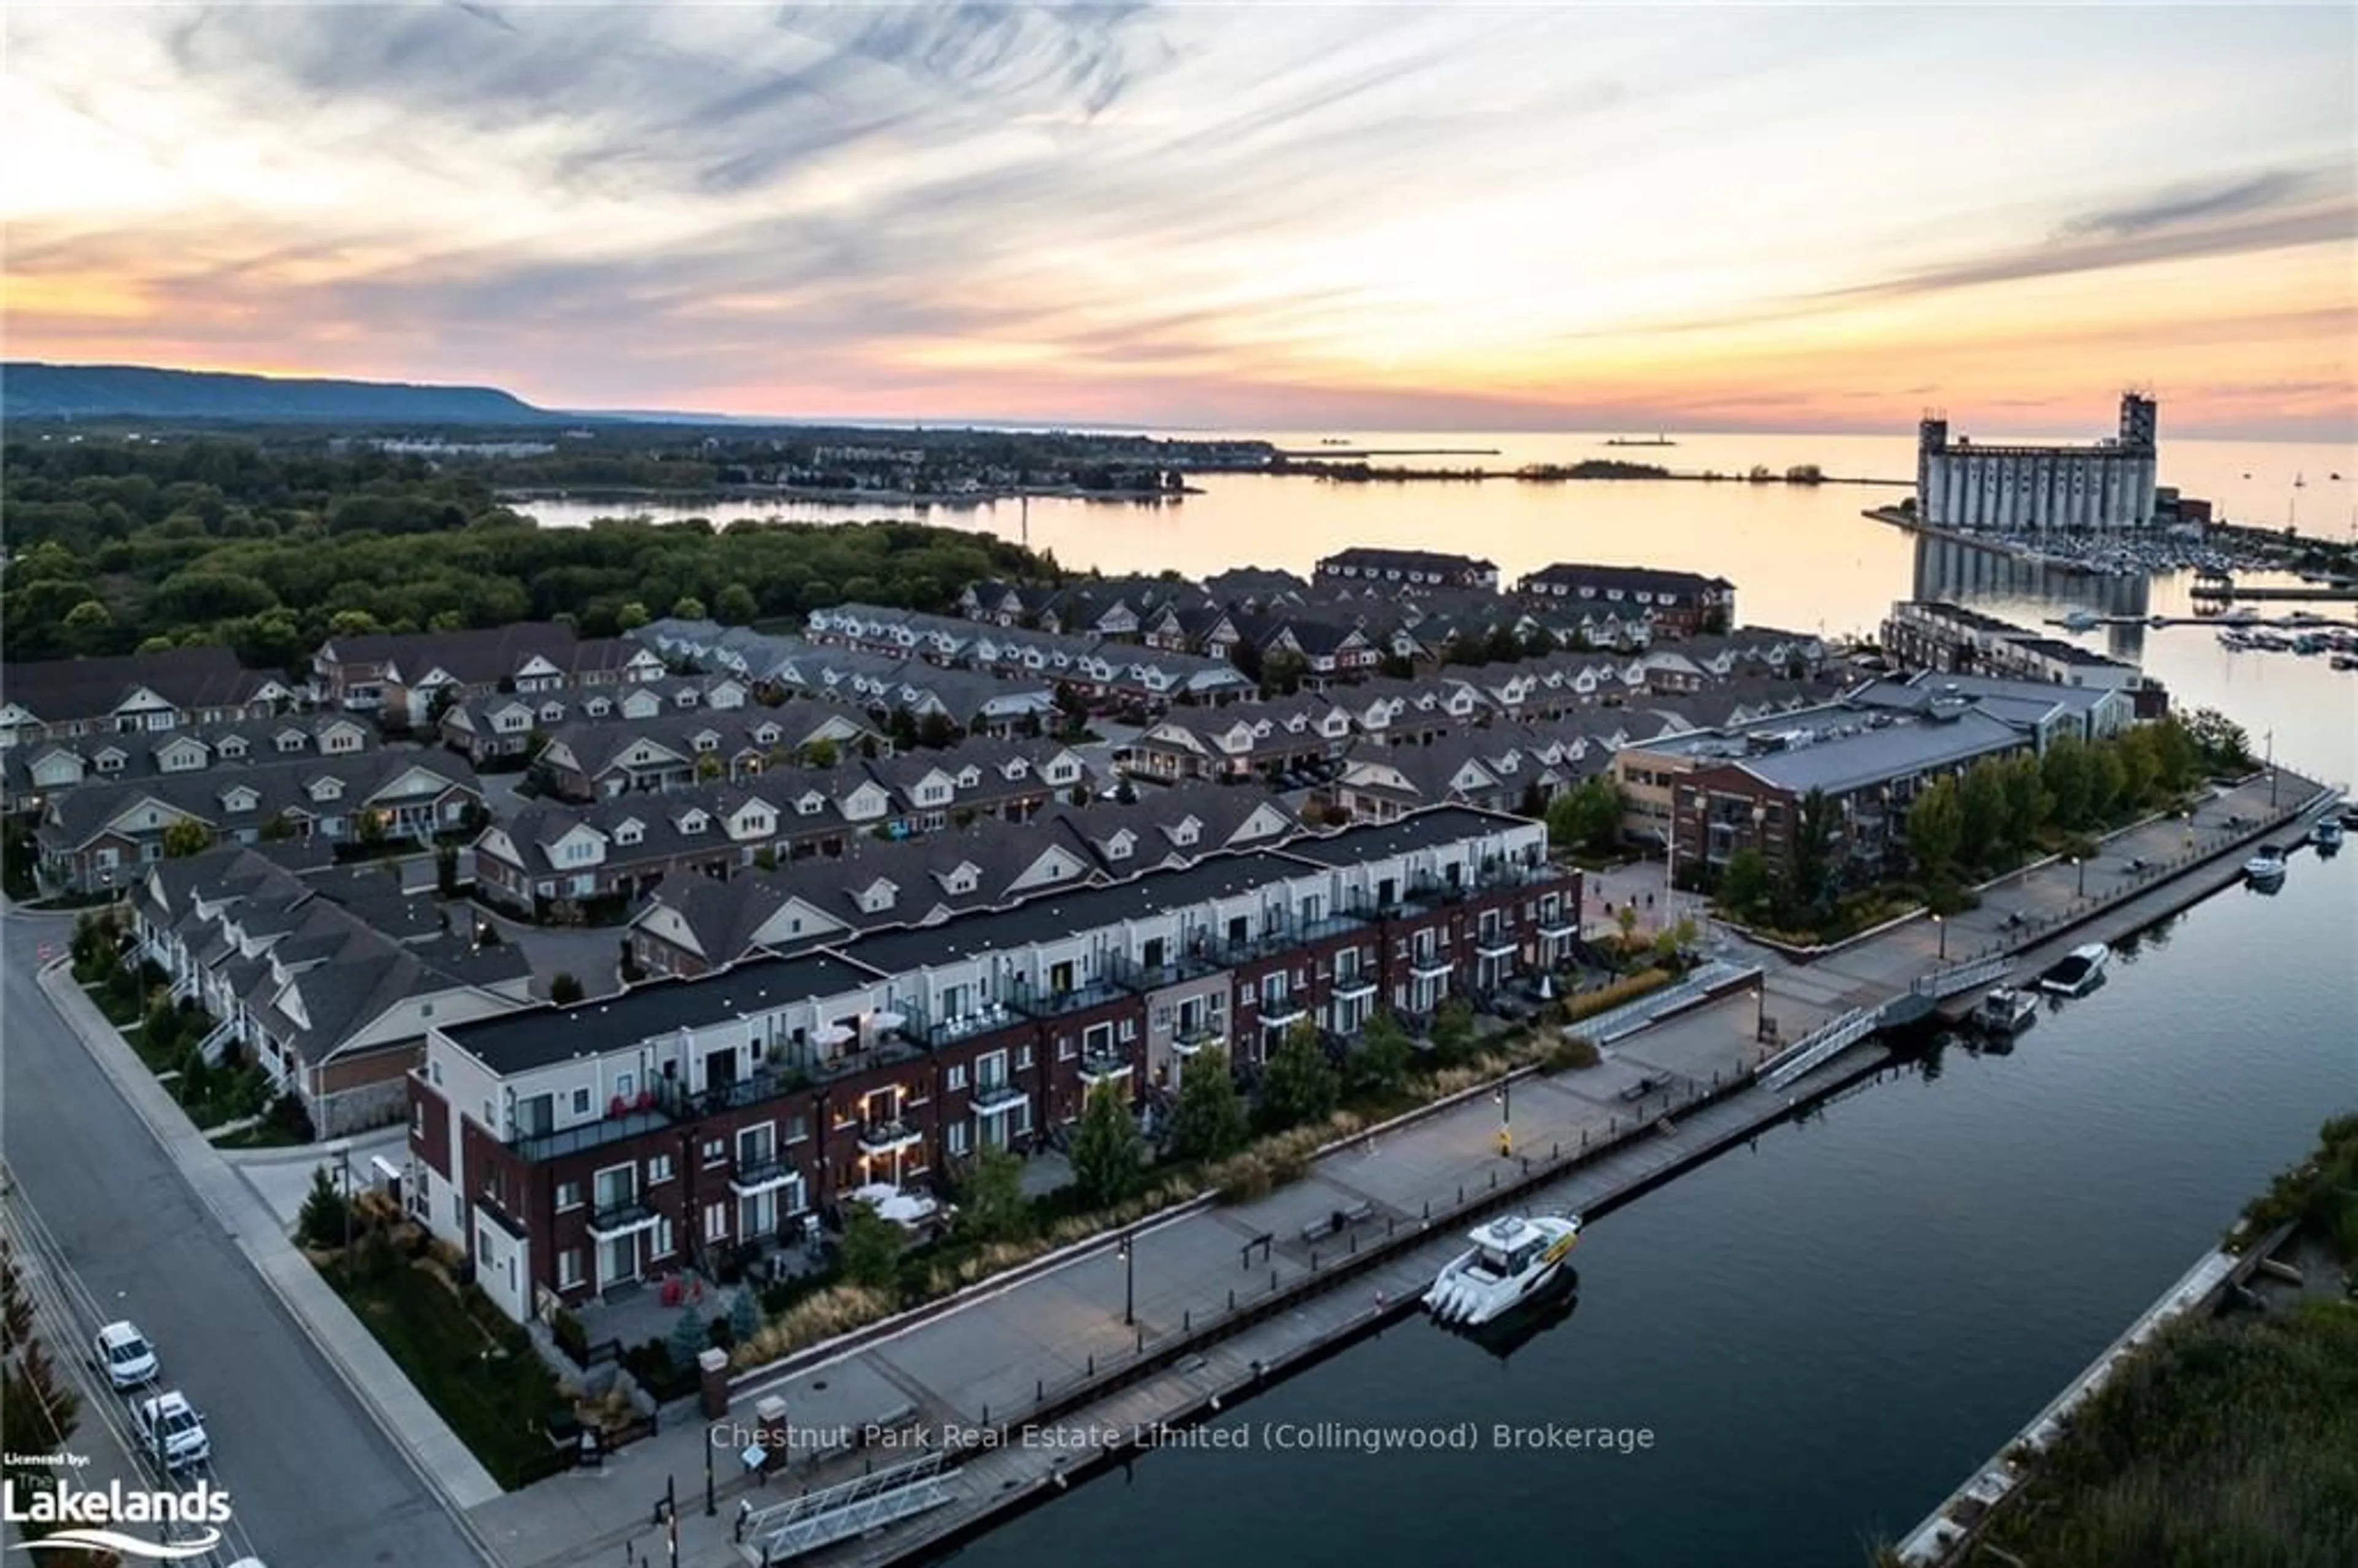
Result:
<point x="786" y="495"/>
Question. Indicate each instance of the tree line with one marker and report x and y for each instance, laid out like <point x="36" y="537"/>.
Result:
<point x="123" y="547"/>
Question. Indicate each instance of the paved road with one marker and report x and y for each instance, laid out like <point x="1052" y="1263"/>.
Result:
<point x="313" y="1479"/>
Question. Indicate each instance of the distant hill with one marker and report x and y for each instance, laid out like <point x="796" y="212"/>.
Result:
<point x="29" y="390"/>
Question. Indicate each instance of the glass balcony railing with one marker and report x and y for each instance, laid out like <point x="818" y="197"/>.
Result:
<point x="1055" y="1004"/>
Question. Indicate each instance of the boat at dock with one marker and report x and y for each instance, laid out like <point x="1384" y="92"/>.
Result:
<point x="1513" y="1259"/>
<point x="2327" y="833"/>
<point x="2266" y="864"/>
<point x="2079" y="971"/>
<point x="2005" y="1012"/>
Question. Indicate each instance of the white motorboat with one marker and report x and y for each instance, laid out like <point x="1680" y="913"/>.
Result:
<point x="2267" y="865"/>
<point x="2327" y="833"/>
<point x="1513" y="1259"/>
<point x="2005" y="1011"/>
<point x="2078" y="972"/>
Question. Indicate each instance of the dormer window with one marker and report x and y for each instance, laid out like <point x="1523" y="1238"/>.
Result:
<point x="767" y="734"/>
<point x="968" y="777"/>
<point x="290" y="740"/>
<point x="811" y="804"/>
<point x="708" y="743"/>
<point x="596" y="708"/>
<point x="693" y="822"/>
<point x="552" y="713"/>
<point x="232" y="746"/>
<point x="325" y="789"/>
<point x="631" y="833"/>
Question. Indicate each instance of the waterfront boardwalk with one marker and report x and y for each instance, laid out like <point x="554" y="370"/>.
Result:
<point x="1224" y="1296"/>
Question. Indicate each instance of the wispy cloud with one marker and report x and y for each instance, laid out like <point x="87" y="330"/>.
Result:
<point x="1130" y="210"/>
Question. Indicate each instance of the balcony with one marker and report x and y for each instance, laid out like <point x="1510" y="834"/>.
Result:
<point x="886" y="1137"/>
<point x="989" y="1018"/>
<point x="998" y="1095"/>
<point x="1557" y="927"/>
<point x="1056" y="1004"/>
<point x="762" y="1177"/>
<point x="620" y="1218"/>
<point x="1103" y="1066"/>
<point x="1282" y="1014"/>
<point x="1426" y="965"/>
<point x="1193" y="1037"/>
<point x="767" y="1083"/>
<point x="590" y="1135"/>
<point x="1497" y="945"/>
<point x="1351" y="988"/>
<point x="1176" y="971"/>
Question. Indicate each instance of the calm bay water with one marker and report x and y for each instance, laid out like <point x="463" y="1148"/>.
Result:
<point x="1826" y="1331"/>
<point x="1801" y="557"/>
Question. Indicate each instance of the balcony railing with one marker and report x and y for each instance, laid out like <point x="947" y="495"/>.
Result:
<point x="590" y="1135"/>
<point x="763" y="1174"/>
<point x="883" y="1137"/>
<point x="1098" y="1067"/>
<point x="998" y="1095"/>
<point x="622" y="1216"/>
<point x="1191" y="966"/>
<point x="1193" y="1037"/>
<point x="1055" y="1004"/>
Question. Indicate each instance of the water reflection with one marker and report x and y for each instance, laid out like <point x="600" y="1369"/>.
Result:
<point x="1954" y="569"/>
<point x="1502" y="1337"/>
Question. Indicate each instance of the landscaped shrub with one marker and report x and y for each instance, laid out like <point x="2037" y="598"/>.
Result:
<point x="1589" y="1004"/>
<point x="571" y="1336"/>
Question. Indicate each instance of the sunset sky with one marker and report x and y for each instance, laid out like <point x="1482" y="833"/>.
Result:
<point x="1300" y="217"/>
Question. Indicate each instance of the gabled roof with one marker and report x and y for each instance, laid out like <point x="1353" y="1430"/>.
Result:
<point x="60" y="691"/>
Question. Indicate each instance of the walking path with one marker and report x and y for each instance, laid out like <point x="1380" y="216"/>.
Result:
<point x="375" y="1380"/>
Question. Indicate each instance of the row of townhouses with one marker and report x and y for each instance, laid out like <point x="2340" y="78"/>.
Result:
<point x="403" y="676"/>
<point x="100" y="837"/>
<point x="1100" y="668"/>
<point x="134" y="694"/>
<point x="1936" y="635"/>
<point x="554" y="853"/>
<point x="506" y="724"/>
<point x="328" y="982"/>
<point x="699" y="924"/>
<point x="600" y="761"/>
<point x="572" y="1149"/>
<point x="37" y="769"/>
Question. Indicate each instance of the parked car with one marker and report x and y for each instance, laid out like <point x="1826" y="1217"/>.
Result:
<point x="169" y="1425"/>
<point x="125" y="1355"/>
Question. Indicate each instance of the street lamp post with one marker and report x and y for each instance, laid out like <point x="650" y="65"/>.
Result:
<point x="2081" y="866"/>
<point x="1942" y="926"/>
<point x="1505" y="1095"/>
<point x="1129" y="1283"/>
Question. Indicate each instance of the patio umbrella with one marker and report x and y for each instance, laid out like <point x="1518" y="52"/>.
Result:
<point x="889" y="1019"/>
<point x="831" y="1034"/>
<point x="1547" y="985"/>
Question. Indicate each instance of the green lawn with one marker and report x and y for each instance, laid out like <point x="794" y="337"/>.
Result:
<point x="489" y="1386"/>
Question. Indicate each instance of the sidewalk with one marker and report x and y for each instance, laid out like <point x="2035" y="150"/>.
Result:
<point x="1000" y="1354"/>
<point x="375" y="1382"/>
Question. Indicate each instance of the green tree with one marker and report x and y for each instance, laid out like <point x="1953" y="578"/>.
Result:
<point x="688" y="606"/>
<point x="185" y="837"/>
<point x="2176" y="757"/>
<point x="1936" y="832"/>
<point x="1385" y="1053"/>
<point x="1299" y="1084"/>
<point x="2219" y="741"/>
<point x="631" y="616"/>
<point x="1106" y="1153"/>
<point x="871" y="1248"/>
<point x="1210" y="1121"/>
<point x="1453" y="1028"/>
<point x="1626" y="917"/>
<point x="709" y="767"/>
<point x="1281" y="673"/>
<point x="369" y="826"/>
<point x="821" y="753"/>
<point x="690" y="1338"/>
<point x="1809" y="865"/>
<point x="992" y="1206"/>
<point x="564" y="989"/>
<point x="2106" y="781"/>
<point x="934" y="731"/>
<point x="2138" y="753"/>
<point x="2028" y="803"/>
<point x="1588" y="816"/>
<point x="1981" y="814"/>
<point x="2064" y="772"/>
<point x="325" y="1216"/>
<point x="744" y="1317"/>
<point x="1744" y="887"/>
<point x="735" y="605"/>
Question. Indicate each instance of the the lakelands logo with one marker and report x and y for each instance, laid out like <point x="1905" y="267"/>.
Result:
<point x="86" y="1518"/>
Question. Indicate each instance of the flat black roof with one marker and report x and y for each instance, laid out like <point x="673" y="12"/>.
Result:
<point x="1056" y="915"/>
<point x="519" y="1042"/>
<point x="1425" y="829"/>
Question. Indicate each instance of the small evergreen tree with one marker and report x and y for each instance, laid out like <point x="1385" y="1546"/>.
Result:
<point x="1210" y="1121"/>
<point x="1301" y="1084"/>
<point x="564" y="989"/>
<point x="991" y="1199"/>
<point x="325" y="1216"/>
<point x="690" y="1338"/>
<point x="744" y="1316"/>
<point x="1385" y="1053"/>
<point x="871" y="1248"/>
<point x="1453" y="1028"/>
<point x="1106" y="1153"/>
